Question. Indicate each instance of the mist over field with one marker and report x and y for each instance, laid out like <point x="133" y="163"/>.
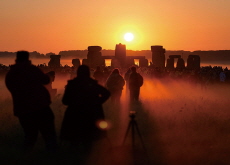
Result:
<point x="180" y="123"/>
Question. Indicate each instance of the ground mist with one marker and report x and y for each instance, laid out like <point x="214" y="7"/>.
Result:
<point x="180" y="123"/>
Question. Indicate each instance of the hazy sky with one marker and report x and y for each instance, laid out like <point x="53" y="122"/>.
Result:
<point x="55" y="25"/>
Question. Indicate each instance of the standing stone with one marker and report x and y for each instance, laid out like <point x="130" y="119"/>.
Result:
<point x="54" y="61"/>
<point x="158" y="56"/>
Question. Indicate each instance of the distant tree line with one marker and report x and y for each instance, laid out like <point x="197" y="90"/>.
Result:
<point x="209" y="56"/>
<point x="33" y="54"/>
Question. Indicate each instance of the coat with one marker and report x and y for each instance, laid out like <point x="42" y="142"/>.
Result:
<point x="26" y="85"/>
<point x="115" y="82"/>
<point x="135" y="81"/>
<point x="84" y="98"/>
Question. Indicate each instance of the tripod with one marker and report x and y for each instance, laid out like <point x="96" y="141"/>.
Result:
<point x="133" y="126"/>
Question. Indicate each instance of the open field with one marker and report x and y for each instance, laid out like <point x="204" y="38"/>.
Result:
<point x="180" y="124"/>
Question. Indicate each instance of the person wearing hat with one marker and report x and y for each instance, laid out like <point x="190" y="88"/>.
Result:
<point x="31" y="101"/>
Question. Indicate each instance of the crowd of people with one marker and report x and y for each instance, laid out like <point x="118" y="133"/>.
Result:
<point x="204" y="75"/>
<point x="84" y="96"/>
<point x="85" y="92"/>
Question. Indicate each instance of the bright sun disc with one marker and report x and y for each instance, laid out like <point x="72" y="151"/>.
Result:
<point x="128" y="36"/>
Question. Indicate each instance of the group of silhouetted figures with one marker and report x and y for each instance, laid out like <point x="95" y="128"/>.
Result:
<point x="115" y="82"/>
<point x="84" y="96"/>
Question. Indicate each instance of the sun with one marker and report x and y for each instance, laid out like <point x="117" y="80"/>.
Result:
<point x="128" y="37"/>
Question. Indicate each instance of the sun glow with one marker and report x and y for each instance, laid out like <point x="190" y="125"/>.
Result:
<point x="128" y="37"/>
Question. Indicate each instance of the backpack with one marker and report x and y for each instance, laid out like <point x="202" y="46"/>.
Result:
<point x="135" y="80"/>
<point x="140" y="80"/>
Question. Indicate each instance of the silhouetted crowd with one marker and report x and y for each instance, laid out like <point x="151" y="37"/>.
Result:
<point x="204" y="75"/>
<point x="85" y="93"/>
<point x="82" y="125"/>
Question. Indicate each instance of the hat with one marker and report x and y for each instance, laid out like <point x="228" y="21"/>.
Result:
<point x="22" y="56"/>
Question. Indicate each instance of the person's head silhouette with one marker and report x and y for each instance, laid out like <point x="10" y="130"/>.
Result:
<point x="22" y="56"/>
<point x="83" y="71"/>
<point x="116" y="71"/>
<point x="133" y="69"/>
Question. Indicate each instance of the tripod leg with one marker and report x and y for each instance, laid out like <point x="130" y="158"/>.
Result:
<point x="133" y="133"/>
<point x="139" y="134"/>
<point x="127" y="131"/>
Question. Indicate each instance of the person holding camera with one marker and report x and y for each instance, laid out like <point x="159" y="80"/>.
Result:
<point x="31" y="101"/>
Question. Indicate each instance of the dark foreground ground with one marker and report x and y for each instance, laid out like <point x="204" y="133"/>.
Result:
<point x="179" y="123"/>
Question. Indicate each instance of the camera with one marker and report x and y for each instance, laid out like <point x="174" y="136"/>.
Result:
<point x="132" y="114"/>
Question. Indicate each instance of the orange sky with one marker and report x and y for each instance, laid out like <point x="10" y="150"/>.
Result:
<point x="55" y="25"/>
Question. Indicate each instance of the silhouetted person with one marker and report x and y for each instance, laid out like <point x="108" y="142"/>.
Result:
<point x="84" y="98"/>
<point x="222" y="76"/>
<point x="106" y="73"/>
<point x="31" y="101"/>
<point x="72" y="72"/>
<point x="49" y="87"/>
<point x="115" y="84"/>
<point x="135" y="82"/>
<point x="98" y="75"/>
<point x="127" y="74"/>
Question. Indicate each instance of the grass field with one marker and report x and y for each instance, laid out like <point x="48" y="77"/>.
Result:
<point x="180" y="124"/>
